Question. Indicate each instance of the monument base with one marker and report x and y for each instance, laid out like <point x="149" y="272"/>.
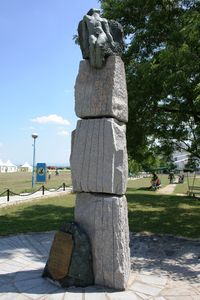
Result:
<point x="105" y="220"/>
<point x="70" y="258"/>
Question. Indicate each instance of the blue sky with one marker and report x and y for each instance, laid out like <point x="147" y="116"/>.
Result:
<point x="38" y="67"/>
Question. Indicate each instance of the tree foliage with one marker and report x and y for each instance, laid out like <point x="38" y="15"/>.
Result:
<point x="163" y="74"/>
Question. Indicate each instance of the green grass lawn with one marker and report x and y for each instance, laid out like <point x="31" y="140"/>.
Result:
<point x="183" y="188"/>
<point x="141" y="185"/>
<point x="37" y="215"/>
<point x="165" y="214"/>
<point x="20" y="182"/>
<point x="148" y="212"/>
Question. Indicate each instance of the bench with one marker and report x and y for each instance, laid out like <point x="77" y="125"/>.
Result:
<point x="193" y="190"/>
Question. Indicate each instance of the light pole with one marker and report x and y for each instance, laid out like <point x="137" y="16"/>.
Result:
<point x="34" y="136"/>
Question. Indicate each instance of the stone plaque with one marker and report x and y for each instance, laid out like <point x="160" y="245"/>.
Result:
<point x="60" y="255"/>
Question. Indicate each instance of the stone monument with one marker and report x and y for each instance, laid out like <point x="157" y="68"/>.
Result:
<point x="99" y="155"/>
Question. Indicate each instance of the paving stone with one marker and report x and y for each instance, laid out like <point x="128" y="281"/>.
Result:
<point x="21" y="297"/>
<point x="55" y="296"/>
<point x="142" y="296"/>
<point x="35" y="244"/>
<point x="30" y="246"/>
<point x="9" y="269"/>
<point x="8" y="296"/>
<point x="127" y="295"/>
<point x="172" y="290"/>
<point x="74" y="294"/>
<point x="179" y="297"/>
<point x="6" y="279"/>
<point x="32" y="295"/>
<point x="39" y="285"/>
<point x="152" y="279"/>
<point x="99" y="157"/>
<point x="8" y="288"/>
<point x="102" y="93"/>
<point x="185" y="290"/>
<point x="11" y="264"/>
<point x="14" y="242"/>
<point x="28" y="275"/>
<point x="20" y="259"/>
<point x="196" y="287"/>
<point x="145" y="289"/>
<point x="92" y="293"/>
<point x="105" y="220"/>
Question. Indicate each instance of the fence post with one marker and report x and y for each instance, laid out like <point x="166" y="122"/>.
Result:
<point x="43" y="190"/>
<point x="63" y="186"/>
<point x="8" y="195"/>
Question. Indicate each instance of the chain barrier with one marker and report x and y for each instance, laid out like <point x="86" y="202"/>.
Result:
<point x="63" y="186"/>
<point x="9" y="193"/>
<point x="3" y="193"/>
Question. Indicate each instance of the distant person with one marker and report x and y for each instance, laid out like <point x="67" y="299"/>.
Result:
<point x="154" y="178"/>
<point x="49" y="175"/>
<point x="155" y="182"/>
<point x="181" y="178"/>
<point x="171" y="177"/>
<point x="57" y="173"/>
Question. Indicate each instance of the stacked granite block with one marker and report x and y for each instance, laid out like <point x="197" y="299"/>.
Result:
<point x="99" y="168"/>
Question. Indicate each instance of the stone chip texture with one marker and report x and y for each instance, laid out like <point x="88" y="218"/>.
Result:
<point x="102" y="92"/>
<point x="105" y="220"/>
<point x="99" y="157"/>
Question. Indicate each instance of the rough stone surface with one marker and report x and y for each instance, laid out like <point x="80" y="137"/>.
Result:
<point x="105" y="220"/>
<point x="102" y="92"/>
<point x="99" y="157"/>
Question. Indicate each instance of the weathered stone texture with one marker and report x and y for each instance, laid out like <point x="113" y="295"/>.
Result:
<point x="99" y="157"/>
<point x="102" y="92"/>
<point x="105" y="220"/>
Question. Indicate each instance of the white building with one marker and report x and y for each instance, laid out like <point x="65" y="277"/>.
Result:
<point x="180" y="159"/>
<point x="7" y="167"/>
<point x="2" y="167"/>
<point x="26" y="167"/>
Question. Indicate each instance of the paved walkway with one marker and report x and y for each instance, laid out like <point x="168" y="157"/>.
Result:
<point x="29" y="197"/>
<point x="163" y="268"/>
<point x="167" y="190"/>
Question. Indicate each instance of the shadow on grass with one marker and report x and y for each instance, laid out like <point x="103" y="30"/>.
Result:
<point x="35" y="218"/>
<point x="165" y="214"/>
<point x="148" y="211"/>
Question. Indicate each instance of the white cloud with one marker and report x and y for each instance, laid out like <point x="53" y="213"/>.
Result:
<point x="51" y="119"/>
<point x="1" y="144"/>
<point x="62" y="133"/>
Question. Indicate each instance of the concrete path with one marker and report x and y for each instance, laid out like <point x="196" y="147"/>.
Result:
<point x="163" y="268"/>
<point x="26" y="197"/>
<point x="167" y="190"/>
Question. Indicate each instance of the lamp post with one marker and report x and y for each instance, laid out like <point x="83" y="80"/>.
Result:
<point x="34" y="136"/>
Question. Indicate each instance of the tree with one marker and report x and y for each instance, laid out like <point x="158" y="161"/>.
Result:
<point x="163" y="74"/>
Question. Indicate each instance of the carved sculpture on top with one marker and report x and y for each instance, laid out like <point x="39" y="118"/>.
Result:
<point x="99" y="38"/>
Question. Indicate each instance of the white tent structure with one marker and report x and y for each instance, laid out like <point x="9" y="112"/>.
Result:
<point x="2" y="167"/>
<point x="26" y="167"/>
<point x="7" y="167"/>
<point x="10" y="167"/>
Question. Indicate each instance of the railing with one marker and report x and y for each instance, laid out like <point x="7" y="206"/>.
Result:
<point x="9" y="193"/>
<point x="194" y="190"/>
